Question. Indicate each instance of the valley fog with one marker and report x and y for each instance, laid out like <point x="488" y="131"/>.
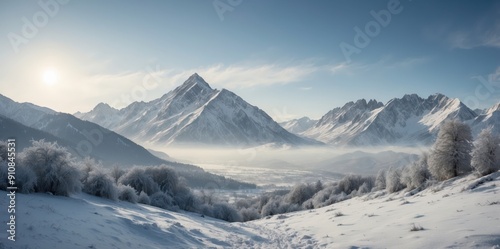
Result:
<point x="285" y="166"/>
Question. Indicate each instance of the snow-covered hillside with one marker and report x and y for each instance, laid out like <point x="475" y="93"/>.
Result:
<point x="194" y="113"/>
<point x="27" y="122"/>
<point x="407" y="120"/>
<point x="25" y="113"/>
<point x="458" y="213"/>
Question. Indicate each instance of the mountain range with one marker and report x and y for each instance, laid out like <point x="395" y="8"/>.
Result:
<point x="194" y="113"/>
<point x="27" y="122"/>
<point x="410" y="120"/>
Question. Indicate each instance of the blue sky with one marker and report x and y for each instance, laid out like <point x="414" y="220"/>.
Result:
<point x="284" y="56"/>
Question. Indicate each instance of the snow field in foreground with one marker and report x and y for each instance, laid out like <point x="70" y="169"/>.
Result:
<point x="458" y="213"/>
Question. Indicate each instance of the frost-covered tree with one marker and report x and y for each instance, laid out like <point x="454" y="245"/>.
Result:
<point x="393" y="180"/>
<point x="450" y="156"/>
<point x="318" y="186"/>
<point x="53" y="167"/>
<point x="127" y="193"/>
<point x="86" y="166"/>
<point x="144" y="198"/>
<point x="184" y="198"/>
<point x="116" y="172"/>
<point x="225" y="211"/>
<point x="165" y="177"/>
<point x="300" y="193"/>
<point x="380" y="179"/>
<point x="419" y="172"/>
<point x="25" y="177"/>
<point x="277" y="205"/>
<point x="140" y="181"/>
<point x="248" y="214"/>
<point x="162" y="200"/>
<point x="352" y="183"/>
<point x="486" y="152"/>
<point x="406" y="176"/>
<point x="100" y="184"/>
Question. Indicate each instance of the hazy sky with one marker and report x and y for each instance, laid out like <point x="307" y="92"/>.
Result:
<point x="291" y="58"/>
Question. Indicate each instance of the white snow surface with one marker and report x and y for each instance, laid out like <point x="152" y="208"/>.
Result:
<point x="458" y="213"/>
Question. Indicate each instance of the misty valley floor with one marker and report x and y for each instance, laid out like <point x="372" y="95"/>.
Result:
<point x="453" y="214"/>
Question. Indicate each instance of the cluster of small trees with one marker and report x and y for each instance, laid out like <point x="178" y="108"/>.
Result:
<point x="453" y="154"/>
<point x="47" y="167"/>
<point x="304" y="196"/>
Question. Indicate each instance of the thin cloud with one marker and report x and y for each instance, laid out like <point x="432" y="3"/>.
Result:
<point x="121" y="89"/>
<point x="341" y="67"/>
<point x="254" y="76"/>
<point x="495" y="76"/>
<point x="483" y="34"/>
<point x="386" y="63"/>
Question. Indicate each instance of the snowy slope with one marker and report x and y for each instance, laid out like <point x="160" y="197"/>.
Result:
<point x="25" y="113"/>
<point x="298" y="125"/>
<point x="458" y="213"/>
<point x="85" y="221"/>
<point x="409" y="120"/>
<point x="194" y="113"/>
<point x="452" y="215"/>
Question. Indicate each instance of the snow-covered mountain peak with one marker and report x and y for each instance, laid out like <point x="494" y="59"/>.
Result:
<point x="194" y="113"/>
<point x="408" y="119"/>
<point x="494" y="108"/>
<point x="374" y="104"/>
<point x="349" y="112"/>
<point x="195" y="81"/>
<point x="103" y="107"/>
<point x="438" y="97"/>
<point x="363" y="104"/>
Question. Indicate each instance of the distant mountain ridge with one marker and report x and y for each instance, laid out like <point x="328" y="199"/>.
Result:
<point x="409" y="120"/>
<point x="194" y="113"/>
<point x="27" y="122"/>
<point x="298" y="125"/>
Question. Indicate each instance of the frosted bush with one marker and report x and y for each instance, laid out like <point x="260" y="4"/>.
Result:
<point x="53" y="168"/>
<point x="127" y="193"/>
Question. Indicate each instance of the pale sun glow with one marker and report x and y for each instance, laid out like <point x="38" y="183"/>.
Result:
<point x="50" y="77"/>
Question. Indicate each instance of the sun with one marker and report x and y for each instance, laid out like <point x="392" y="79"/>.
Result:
<point x="50" y="77"/>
